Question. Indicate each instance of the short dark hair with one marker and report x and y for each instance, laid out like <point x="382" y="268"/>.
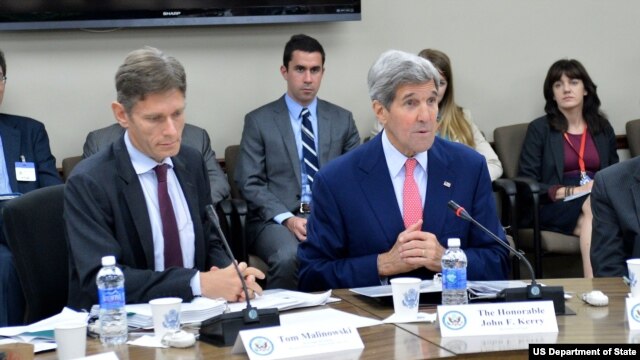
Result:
<point x="301" y="42"/>
<point x="3" y="64"/>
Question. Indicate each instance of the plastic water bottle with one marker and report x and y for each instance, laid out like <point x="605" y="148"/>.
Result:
<point x="113" y="315"/>
<point x="454" y="274"/>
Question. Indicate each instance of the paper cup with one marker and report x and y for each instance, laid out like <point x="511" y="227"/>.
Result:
<point x="71" y="339"/>
<point x="406" y="296"/>
<point x="634" y="276"/>
<point x="166" y="315"/>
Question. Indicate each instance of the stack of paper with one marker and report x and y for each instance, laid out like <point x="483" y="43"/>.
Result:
<point x="477" y="289"/>
<point x="426" y="286"/>
<point x="41" y="333"/>
<point x="198" y="310"/>
<point x="490" y="289"/>
<point x="285" y="300"/>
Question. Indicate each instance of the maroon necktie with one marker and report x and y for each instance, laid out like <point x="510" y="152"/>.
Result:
<point x="172" y="251"/>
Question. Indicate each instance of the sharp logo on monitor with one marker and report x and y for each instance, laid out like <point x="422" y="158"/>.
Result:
<point x="88" y="14"/>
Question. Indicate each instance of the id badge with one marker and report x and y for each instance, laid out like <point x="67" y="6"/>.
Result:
<point x="25" y="171"/>
<point x="584" y="178"/>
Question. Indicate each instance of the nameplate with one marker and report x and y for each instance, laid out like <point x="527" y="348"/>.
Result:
<point x="521" y="317"/>
<point x="633" y="312"/>
<point x="280" y="342"/>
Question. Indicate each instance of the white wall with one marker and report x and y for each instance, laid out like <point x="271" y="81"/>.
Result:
<point x="500" y="49"/>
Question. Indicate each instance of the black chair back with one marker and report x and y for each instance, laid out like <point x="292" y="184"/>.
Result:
<point x="34" y="229"/>
<point x="632" y="128"/>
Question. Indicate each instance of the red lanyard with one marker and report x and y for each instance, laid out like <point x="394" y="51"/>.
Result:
<point x="583" y="142"/>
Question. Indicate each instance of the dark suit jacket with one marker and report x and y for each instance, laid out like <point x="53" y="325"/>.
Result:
<point x="542" y="156"/>
<point x="356" y="216"/>
<point x="615" y="201"/>
<point x="192" y="136"/>
<point x="106" y="214"/>
<point x="268" y="169"/>
<point x="27" y="137"/>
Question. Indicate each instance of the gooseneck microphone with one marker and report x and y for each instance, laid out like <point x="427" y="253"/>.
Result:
<point x="534" y="291"/>
<point x="223" y="329"/>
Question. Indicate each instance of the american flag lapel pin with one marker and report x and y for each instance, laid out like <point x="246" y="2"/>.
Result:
<point x="447" y="184"/>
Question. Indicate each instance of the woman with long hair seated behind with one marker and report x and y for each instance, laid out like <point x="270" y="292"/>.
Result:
<point x="565" y="148"/>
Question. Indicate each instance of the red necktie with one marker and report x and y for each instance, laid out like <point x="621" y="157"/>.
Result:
<point x="411" y="202"/>
<point x="172" y="250"/>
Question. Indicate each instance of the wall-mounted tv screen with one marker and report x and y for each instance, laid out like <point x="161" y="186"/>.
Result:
<point x="95" y="14"/>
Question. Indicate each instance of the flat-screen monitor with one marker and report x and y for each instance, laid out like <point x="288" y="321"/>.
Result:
<point x="93" y="14"/>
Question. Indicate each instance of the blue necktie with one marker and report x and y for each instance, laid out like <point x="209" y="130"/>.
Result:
<point x="308" y="146"/>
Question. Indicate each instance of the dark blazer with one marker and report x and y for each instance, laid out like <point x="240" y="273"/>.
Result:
<point x="615" y="201"/>
<point x="356" y="216"/>
<point x="192" y="135"/>
<point x="268" y="169"/>
<point x="106" y="214"/>
<point x="542" y="156"/>
<point x="23" y="136"/>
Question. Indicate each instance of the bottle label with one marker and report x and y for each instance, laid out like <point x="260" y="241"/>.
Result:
<point x="454" y="279"/>
<point x="111" y="298"/>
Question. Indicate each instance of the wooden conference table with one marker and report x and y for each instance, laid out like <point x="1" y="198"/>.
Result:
<point x="590" y="325"/>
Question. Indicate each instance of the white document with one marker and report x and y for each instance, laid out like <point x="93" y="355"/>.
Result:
<point x="66" y="315"/>
<point x="284" y="300"/>
<point x="198" y="310"/>
<point x="490" y="289"/>
<point x="426" y="286"/>
<point x="578" y="195"/>
<point x="477" y="289"/>
<point x="326" y="316"/>
<point x="40" y="334"/>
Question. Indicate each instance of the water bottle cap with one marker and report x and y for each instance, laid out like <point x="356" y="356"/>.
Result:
<point x="108" y="260"/>
<point x="455" y="242"/>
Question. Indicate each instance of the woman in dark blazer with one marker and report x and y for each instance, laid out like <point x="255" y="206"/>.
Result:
<point x="565" y="148"/>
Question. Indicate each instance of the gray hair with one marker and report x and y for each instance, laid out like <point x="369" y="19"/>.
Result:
<point x="395" y="68"/>
<point x="148" y="71"/>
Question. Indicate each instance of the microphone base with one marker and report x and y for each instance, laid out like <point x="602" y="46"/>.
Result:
<point x="223" y="329"/>
<point x="536" y="292"/>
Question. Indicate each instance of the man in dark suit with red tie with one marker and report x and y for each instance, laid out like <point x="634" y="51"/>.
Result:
<point x="143" y="199"/>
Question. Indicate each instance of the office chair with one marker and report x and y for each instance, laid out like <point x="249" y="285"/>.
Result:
<point x="239" y="219"/>
<point x="508" y="142"/>
<point x="34" y="229"/>
<point x="633" y="137"/>
<point x="68" y="164"/>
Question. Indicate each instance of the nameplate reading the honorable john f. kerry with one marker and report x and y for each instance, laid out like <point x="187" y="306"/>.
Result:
<point x="526" y="317"/>
<point x="281" y="342"/>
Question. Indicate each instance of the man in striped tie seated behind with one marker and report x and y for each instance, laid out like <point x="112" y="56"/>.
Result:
<point x="283" y="144"/>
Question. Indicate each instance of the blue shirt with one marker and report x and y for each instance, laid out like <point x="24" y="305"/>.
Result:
<point x="5" y="185"/>
<point x="296" y="125"/>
